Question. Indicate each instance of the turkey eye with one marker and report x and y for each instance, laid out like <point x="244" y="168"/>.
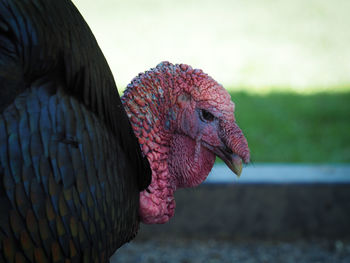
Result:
<point x="207" y="116"/>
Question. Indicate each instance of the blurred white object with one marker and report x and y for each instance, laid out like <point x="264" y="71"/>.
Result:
<point x="283" y="173"/>
<point x="262" y="45"/>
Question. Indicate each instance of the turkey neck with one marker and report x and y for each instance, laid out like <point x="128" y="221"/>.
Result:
<point x="149" y="104"/>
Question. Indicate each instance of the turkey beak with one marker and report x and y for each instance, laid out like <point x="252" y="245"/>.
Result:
<point x="233" y="149"/>
<point x="232" y="160"/>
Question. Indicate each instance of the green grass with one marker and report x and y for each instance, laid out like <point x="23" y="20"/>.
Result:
<point x="292" y="127"/>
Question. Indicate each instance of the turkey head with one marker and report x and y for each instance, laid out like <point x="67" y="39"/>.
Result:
<point x="183" y="119"/>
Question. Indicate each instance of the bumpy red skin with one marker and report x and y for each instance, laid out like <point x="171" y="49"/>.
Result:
<point x="164" y="105"/>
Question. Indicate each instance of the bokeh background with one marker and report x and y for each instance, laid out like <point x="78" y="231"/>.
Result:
<point x="286" y="64"/>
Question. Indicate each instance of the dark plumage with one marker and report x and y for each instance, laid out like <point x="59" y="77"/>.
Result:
<point x="70" y="166"/>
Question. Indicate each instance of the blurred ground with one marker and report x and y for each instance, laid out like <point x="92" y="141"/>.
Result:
<point x="197" y="251"/>
<point x="272" y="215"/>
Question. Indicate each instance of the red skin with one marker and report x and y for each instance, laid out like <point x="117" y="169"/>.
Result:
<point x="164" y="106"/>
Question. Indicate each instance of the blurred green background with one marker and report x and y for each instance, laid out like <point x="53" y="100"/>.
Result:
<point x="286" y="63"/>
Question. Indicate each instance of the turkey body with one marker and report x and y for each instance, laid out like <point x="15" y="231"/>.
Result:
<point x="70" y="166"/>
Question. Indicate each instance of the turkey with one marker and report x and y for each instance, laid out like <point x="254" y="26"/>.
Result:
<point x="70" y="166"/>
<point x="75" y="181"/>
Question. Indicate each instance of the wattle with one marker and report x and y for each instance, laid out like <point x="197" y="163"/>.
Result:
<point x="188" y="167"/>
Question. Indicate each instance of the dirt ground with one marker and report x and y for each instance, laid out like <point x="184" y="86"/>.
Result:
<point x="193" y="251"/>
